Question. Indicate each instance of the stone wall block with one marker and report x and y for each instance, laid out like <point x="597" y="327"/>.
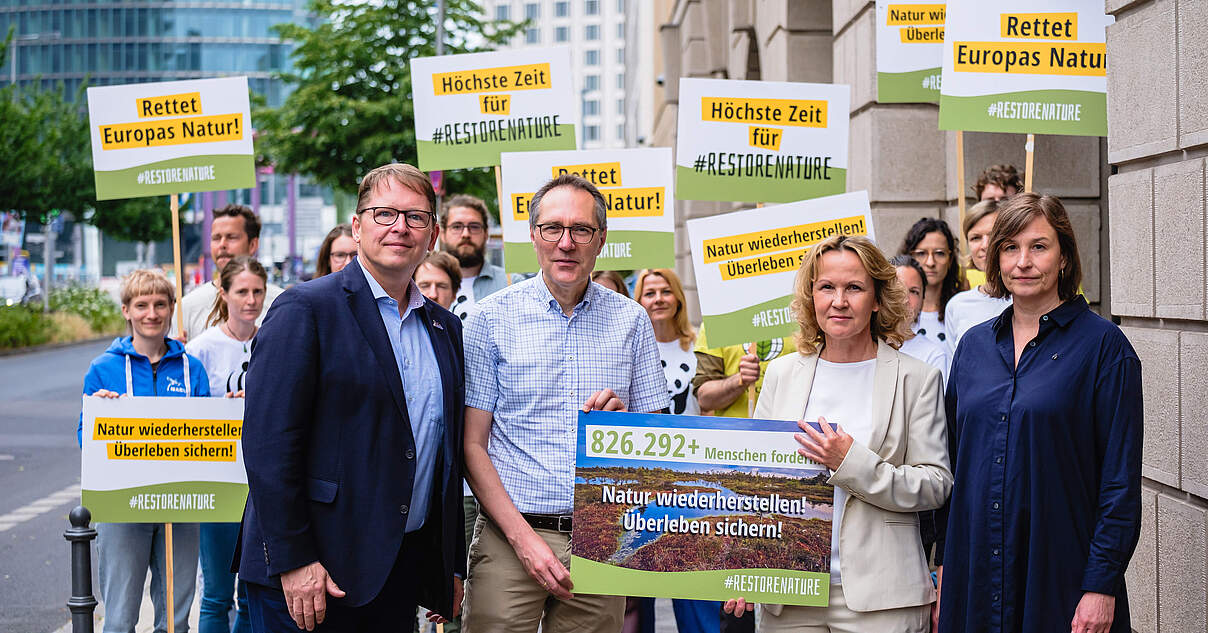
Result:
<point x="907" y="154"/>
<point x="742" y="14"/>
<point x="1086" y="222"/>
<point x="842" y="11"/>
<point x="1159" y="354"/>
<point x="794" y="15"/>
<point x="1178" y="216"/>
<point x="1130" y="218"/>
<point x="1193" y="387"/>
<point x="891" y="222"/>
<point x="1182" y="590"/>
<point x="1141" y="85"/>
<point x="1143" y="568"/>
<point x="717" y="31"/>
<point x="740" y="55"/>
<point x="1193" y="72"/>
<point x="856" y="60"/>
<point x="859" y="153"/>
<point x="795" y="56"/>
<point x="673" y="54"/>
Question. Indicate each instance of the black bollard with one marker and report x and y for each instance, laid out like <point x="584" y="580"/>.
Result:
<point x="82" y="603"/>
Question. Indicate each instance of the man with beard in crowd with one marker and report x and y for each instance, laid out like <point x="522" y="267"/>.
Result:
<point x="463" y="232"/>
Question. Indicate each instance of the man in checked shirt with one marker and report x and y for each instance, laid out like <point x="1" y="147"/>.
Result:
<point x="537" y="353"/>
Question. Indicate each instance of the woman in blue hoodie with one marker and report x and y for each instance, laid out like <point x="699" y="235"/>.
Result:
<point x="146" y="363"/>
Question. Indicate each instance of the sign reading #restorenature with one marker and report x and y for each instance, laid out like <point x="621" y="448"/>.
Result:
<point x="910" y="50"/>
<point x="163" y="460"/>
<point x="761" y="141"/>
<point x="745" y="262"/>
<point x="470" y="108"/>
<point x="676" y="506"/>
<point x="1028" y="66"/>
<point x="158" y="139"/>
<point x="636" y="185"/>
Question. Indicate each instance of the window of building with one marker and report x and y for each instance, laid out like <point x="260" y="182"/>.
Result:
<point x="561" y="9"/>
<point x="532" y="11"/>
<point x="591" y="133"/>
<point x="503" y="12"/>
<point x="591" y="32"/>
<point x="620" y="81"/>
<point x="591" y="57"/>
<point x="532" y="36"/>
<point x="621" y="30"/>
<point x="620" y="6"/>
<point x="591" y="82"/>
<point x="621" y="132"/>
<point x="620" y="56"/>
<point x="561" y="34"/>
<point x="620" y="106"/>
<point x="591" y="107"/>
<point x="591" y="7"/>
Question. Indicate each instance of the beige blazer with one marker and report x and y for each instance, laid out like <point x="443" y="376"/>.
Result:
<point x="903" y="470"/>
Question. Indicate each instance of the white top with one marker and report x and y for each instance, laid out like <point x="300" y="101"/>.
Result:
<point x="224" y="358"/>
<point x="679" y="365"/>
<point x="196" y="306"/>
<point x="842" y="393"/>
<point x="967" y="309"/>
<point x="929" y="325"/>
<point x="929" y="352"/>
<point x="464" y="302"/>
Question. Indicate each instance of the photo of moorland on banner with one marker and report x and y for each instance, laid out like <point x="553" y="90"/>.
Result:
<point x="910" y="50"/>
<point x="746" y="261"/>
<point x="761" y="141"/>
<point x="636" y="185"/>
<point x="163" y="460"/>
<point x="157" y="139"/>
<point x="699" y="507"/>
<point x="469" y="108"/>
<point x="1039" y="67"/>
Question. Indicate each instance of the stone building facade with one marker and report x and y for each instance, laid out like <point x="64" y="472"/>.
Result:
<point x="1137" y="201"/>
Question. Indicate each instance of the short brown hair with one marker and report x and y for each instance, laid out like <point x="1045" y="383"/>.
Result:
<point x="467" y="201"/>
<point x="1002" y="175"/>
<point x="891" y="323"/>
<point x="251" y="223"/>
<point x="447" y="263"/>
<point x="323" y="263"/>
<point x="402" y="173"/>
<point x="614" y="277"/>
<point x="1014" y="214"/>
<point x="220" y="312"/>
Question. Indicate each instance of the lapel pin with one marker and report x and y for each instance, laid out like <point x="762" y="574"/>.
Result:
<point x="436" y="324"/>
<point x="1054" y="356"/>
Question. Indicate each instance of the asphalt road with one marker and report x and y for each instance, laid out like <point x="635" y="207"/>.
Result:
<point x="39" y="407"/>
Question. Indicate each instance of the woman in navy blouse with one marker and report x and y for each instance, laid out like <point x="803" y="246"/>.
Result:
<point x="1045" y="418"/>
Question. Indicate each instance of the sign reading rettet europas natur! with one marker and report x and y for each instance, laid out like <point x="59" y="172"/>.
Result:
<point x="470" y="108"/>
<point x="158" y="139"/>
<point x="636" y="185"/>
<point x="761" y="141"/>
<point x="1030" y="66"/>
<point x="746" y="261"/>
<point x="163" y="460"/>
<point x="910" y="50"/>
<point x="678" y="506"/>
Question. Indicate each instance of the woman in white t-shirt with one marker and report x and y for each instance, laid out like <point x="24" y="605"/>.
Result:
<point x="931" y="244"/>
<point x="224" y="349"/>
<point x="975" y="305"/>
<point x="883" y="436"/>
<point x="914" y="282"/>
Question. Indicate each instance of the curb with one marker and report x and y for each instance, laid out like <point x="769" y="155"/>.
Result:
<point x="52" y="346"/>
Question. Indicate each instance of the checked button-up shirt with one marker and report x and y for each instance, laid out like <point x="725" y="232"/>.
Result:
<point x="533" y="367"/>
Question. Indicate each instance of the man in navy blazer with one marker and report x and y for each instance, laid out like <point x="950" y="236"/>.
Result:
<point x="352" y="435"/>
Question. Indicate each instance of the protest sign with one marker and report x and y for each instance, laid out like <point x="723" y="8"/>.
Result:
<point x="157" y="139"/>
<point x="154" y="460"/>
<point x="470" y="108"/>
<point x="636" y="185"/>
<point x="699" y="507"/>
<point x="746" y="261"/>
<point x="1036" y="67"/>
<point x="761" y="141"/>
<point x="910" y="43"/>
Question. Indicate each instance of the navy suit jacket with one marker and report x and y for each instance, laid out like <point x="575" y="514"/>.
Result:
<point x="328" y="447"/>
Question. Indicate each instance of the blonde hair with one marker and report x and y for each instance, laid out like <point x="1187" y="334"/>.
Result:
<point x="891" y="321"/>
<point x="147" y="281"/>
<point x="683" y="329"/>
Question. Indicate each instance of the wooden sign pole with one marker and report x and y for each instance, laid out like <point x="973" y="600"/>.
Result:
<point x="174" y="203"/>
<point x="1027" y="168"/>
<point x="499" y="198"/>
<point x="960" y="193"/>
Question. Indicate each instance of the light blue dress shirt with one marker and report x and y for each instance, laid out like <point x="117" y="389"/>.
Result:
<point x="420" y="374"/>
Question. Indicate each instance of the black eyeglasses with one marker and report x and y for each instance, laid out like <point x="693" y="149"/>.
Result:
<point x="579" y="234"/>
<point x="387" y="216"/>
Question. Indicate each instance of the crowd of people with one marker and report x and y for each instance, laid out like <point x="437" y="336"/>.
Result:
<point x="410" y="422"/>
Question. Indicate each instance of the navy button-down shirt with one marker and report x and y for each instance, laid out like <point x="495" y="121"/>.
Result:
<point x="1047" y="464"/>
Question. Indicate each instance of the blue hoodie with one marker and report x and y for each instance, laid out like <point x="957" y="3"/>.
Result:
<point x="108" y="371"/>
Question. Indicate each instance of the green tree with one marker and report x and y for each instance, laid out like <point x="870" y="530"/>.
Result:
<point x="351" y="107"/>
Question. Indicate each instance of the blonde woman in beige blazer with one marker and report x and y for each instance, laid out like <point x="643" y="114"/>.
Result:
<point x="887" y="448"/>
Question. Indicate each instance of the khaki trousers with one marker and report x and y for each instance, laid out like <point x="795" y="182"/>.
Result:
<point x="837" y="618"/>
<point x="502" y="598"/>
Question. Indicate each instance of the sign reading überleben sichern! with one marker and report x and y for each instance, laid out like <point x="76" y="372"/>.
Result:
<point x="761" y="141"/>
<point x="157" y="139"/>
<point x="677" y="506"/>
<point x="910" y="50"/>
<point x="163" y="460"/>
<point x="470" y="108"/>
<point x="636" y="185"/>
<point x="745" y="262"/>
<point x="1031" y="66"/>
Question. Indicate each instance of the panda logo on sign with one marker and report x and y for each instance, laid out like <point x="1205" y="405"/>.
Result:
<point x="679" y="385"/>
